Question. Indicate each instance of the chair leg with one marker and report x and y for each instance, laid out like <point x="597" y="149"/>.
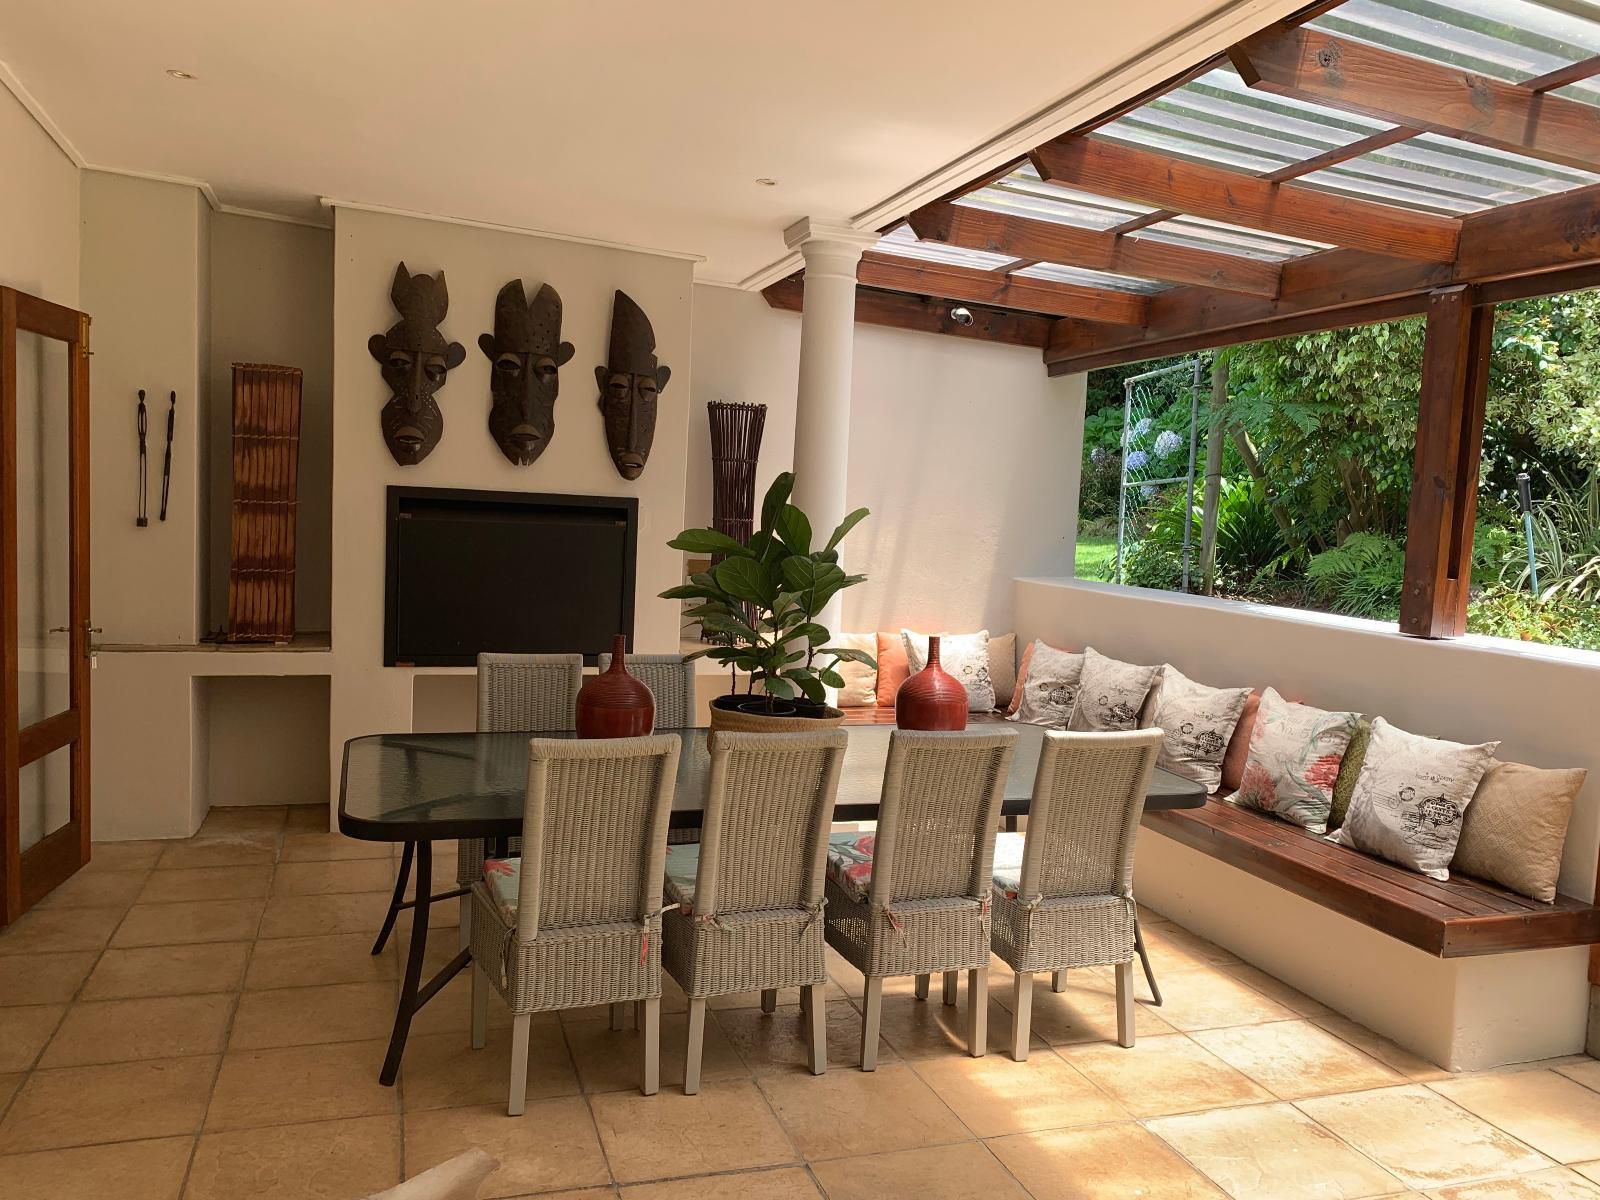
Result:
<point x="651" y="1025"/>
<point x="1125" y="1004"/>
<point x="769" y="1000"/>
<point x="519" y="1064"/>
<point x="397" y="899"/>
<point x="1144" y="957"/>
<point x="480" y="1007"/>
<point x="922" y="987"/>
<point x="816" y="1011"/>
<point x="619" y="1017"/>
<point x="950" y="988"/>
<point x="978" y="1012"/>
<point x="1058" y="981"/>
<point x="1021" y="1014"/>
<point x="697" y="1035"/>
<point x="871" y="1012"/>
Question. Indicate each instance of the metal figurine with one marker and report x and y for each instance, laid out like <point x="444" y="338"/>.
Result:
<point x="414" y="358"/>
<point x="166" y="464"/>
<point x="630" y="383"/>
<point x="525" y="354"/>
<point x="141" y="520"/>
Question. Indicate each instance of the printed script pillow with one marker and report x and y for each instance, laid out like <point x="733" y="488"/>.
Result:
<point x="1295" y="752"/>
<point x="1003" y="668"/>
<point x="860" y="688"/>
<point x="893" y="669"/>
<point x="1199" y="721"/>
<point x="1111" y="694"/>
<point x="1516" y="826"/>
<point x="1049" y="687"/>
<point x="964" y="655"/>
<point x="1410" y="798"/>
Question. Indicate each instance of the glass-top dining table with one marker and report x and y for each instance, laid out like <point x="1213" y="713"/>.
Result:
<point x="419" y="788"/>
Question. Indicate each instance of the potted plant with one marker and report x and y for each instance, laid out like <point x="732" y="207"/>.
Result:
<point x="762" y="600"/>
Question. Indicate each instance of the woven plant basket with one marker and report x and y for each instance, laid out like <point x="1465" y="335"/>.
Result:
<point x="733" y="721"/>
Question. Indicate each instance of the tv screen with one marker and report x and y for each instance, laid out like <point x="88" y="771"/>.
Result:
<point x="508" y="572"/>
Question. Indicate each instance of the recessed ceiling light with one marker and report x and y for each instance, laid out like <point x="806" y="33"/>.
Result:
<point x="765" y="182"/>
<point x="177" y="74"/>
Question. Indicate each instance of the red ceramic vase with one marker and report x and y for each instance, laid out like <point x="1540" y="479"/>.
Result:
<point x="614" y="704"/>
<point x="932" y="698"/>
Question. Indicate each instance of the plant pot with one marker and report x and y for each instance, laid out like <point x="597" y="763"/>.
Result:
<point x="745" y="714"/>
<point x="932" y="699"/>
<point x="613" y="704"/>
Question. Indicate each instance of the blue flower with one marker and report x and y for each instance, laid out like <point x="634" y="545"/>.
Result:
<point x="1167" y="444"/>
<point x="1137" y="460"/>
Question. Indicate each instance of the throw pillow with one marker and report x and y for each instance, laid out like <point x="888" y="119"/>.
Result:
<point x="1239" y="745"/>
<point x="1349" y="771"/>
<point x="1198" y="721"/>
<point x="1003" y="668"/>
<point x="1111" y="693"/>
<point x="860" y="688"/>
<point x="964" y="655"/>
<point x="1295" y="752"/>
<point x="1516" y="825"/>
<point x="1022" y="674"/>
<point x="1049" y="686"/>
<point x="893" y="669"/>
<point x="1410" y="797"/>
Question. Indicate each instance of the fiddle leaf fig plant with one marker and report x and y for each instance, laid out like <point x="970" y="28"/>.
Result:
<point x="763" y="599"/>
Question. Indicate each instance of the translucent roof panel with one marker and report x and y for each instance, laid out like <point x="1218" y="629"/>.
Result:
<point x="1022" y="193"/>
<point x="1201" y="234"/>
<point x="1055" y="273"/>
<point x="903" y="242"/>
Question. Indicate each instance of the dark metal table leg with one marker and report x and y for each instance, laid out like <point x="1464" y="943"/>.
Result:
<point x="1144" y="957"/>
<point x="395" y="904"/>
<point x="421" y="903"/>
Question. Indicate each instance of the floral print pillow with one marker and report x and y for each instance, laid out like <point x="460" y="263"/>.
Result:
<point x="1295" y="752"/>
<point x="850" y="863"/>
<point x="1199" y="722"/>
<point x="1049" y="687"/>
<point x="1111" y="693"/>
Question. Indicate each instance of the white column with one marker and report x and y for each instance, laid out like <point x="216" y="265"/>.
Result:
<point x="827" y="343"/>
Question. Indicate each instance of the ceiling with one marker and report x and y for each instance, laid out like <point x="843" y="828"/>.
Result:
<point x="635" y="121"/>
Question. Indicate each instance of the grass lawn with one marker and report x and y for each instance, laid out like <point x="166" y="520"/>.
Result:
<point x="1095" y="556"/>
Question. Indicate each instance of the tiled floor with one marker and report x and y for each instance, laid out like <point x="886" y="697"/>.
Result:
<point x="202" y="1019"/>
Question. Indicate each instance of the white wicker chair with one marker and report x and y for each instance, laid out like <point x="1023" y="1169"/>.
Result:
<point x="671" y="682"/>
<point x="587" y="926"/>
<point x="1071" y="903"/>
<point x="927" y="907"/>
<point x="751" y="919"/>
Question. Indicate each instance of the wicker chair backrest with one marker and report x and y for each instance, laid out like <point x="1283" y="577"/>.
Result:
<point x="671" y="682"/>
<point x="528" y="692"/>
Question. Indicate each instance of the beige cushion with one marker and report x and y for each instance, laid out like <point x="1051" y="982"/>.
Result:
<point x="1003" y="668"/>
<point x="1198" y="722"/>
<point x="860" y="688"/>
<point x="1112" y="694"/>
<point x="1516" y="825"/>
<point x="1048" y="688"/>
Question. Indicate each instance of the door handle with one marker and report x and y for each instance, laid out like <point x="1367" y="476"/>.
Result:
<point x="59" y="629"/>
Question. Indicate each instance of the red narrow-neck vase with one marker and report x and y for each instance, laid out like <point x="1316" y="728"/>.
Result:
<point x="613" y="704"/>
<point x="932" y="698"/>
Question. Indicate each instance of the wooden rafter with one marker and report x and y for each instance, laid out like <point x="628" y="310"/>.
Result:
<point x="1308" y="64"/>
<point x="1219" y="194"/>
<point x="902" y="274"/>
<point x="1097" y="250"/>
<point x="1584" y="68"/>
<point x="898" y="311"/>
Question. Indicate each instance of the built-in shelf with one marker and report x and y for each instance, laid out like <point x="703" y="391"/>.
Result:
<point x="303" y="643"/>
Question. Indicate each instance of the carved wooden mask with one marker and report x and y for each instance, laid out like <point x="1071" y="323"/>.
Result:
<point x="414" y="358"/>
<point x="630" y="383"/>
<point x="525" y="352"/>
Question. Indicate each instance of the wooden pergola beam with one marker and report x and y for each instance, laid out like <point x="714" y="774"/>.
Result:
<point x="1309" y="64"/>
<point x="1219" y="194"/>
<point x="901" y="274"/>
<point x="1097" y="250"/>
<point x="898" y="311"/>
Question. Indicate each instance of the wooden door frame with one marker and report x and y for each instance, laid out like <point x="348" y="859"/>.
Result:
<point x="65" y="850"/>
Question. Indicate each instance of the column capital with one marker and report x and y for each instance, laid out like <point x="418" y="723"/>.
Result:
<point x="811" y="231"/>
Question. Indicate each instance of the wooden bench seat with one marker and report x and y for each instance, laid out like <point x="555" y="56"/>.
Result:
<point x="1451" y="920"/>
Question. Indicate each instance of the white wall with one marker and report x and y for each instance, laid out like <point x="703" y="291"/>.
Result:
<point x="965" y="451"/>
<point x="39" y="205"/>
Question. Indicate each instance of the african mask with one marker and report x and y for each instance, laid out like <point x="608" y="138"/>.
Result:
<point x="525" y="351"/>
<point x="629" y="383"/>
<point x="414" y="358"/>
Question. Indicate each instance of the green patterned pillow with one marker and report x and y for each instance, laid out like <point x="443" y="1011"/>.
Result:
<point x="1349" y="770"/>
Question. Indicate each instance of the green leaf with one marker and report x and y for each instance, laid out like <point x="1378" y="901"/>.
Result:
<point x="691" y="591"/>
<point x="777" y="496"/>
<point x="708" y="541"/>
<point x="812" y="632"/>
<point x="831" y="677"/>
<point x="805" y="575"/>
<point x="794" y="529"/>
<point x="842" y="654"/>
<point x="808" y="683"/>
<point x="781" y="688"/>
<point x="744" y="579"/>
<point x="846" y="525"/>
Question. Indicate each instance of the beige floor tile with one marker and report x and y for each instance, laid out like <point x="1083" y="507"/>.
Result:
<point x="1213" y="999"/>
<point x="1173" y="948"/>
<point x="110" y="1031"/>
<point x="328" y="1160"/>
<point x="1586" y="1072"/>
<point x="1421" y="1137"/>
<point x="97" y="889"/>
<point x="1085" y="1012"/>
<point x="787" y="998"/>
<point x="777" y="1042"/>
<point x="317" y="916"/>
<point x="451" y="1010"/>
<point x="147" y="1170"/>
<point x="1413" y="1066"/>
<point x="328" y="847"/>
<point x="300" y="1083"/>
<point x="726" y="1127"/>
<point x="124" y="856"/>
<point x="57" y="930"/>
<point x="81" y="1106"/>
<point x="327" y="878"/>
<point x="1273" y="1152"/>
<point x="220" y="851"/>
<point x="552" y="1145"/>
<point x="441" y="1070"/>
<point x="206" y="883"/>
<point x="610" y="1060"/>
<point x="1160" y="1076"/>
<point x="44" y="978"/>
<point x="189" y="921"/>
<point x="307" y="961"/>
<point x="167" y="971"/>
<point x="1106" y="1162"/>
<point x="442" y="915"/>
<point x="1554" y="1184"/>
<point x="244" y="819"/>
<point x="842" y="975"/>
<point x="1295" y="1059"/>
<point x="306" y="1016"/>
<point x="306" y="818"/>
<point x="1555" y="1115"/>
<point x="995" y="1096"/>
<point x="1590" y="1171"/>
<point x="9" y="1086"/>
<point x="964" y="1171"/>
<point x="781" y="1183"/>
<point x="851" y="1112"/>
<point x="928" y="1028"/>
<point x="24" y="1031"/>
<point x="1274" y="988"/>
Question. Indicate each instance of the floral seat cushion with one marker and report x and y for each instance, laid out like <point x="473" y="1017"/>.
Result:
<point x="504" y="877"/>
<point x="850" y="863"/>
<point x="683" y="864"/>
<point x="1007" y="868"/>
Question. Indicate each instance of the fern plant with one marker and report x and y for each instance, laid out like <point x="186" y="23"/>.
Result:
<point x="1363" y="577"/>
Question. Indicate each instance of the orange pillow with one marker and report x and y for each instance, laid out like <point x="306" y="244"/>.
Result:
<point x="893" y="666"/>
<point x="1238" y="752"/>
<point x="1022" y="675"/>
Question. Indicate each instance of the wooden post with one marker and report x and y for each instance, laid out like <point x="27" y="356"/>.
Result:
<point x="1444" y="490"/>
